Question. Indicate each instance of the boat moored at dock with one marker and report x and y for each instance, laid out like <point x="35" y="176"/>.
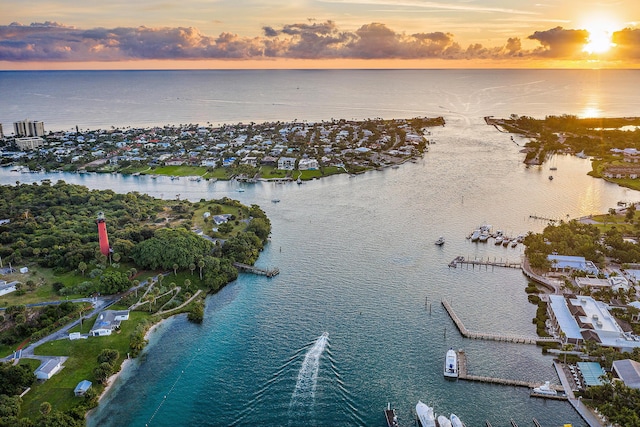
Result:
<point x="425" y="415"/>
<point x="455" y="421"/>
<point x="443" y="421"/>
<point x="544" y="390"/>
<point x="451" y="364"/>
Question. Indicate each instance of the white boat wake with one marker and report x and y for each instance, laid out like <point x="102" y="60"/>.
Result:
<point x="303" y="396"/>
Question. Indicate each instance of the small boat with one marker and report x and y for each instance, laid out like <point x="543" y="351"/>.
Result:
<point x="553" y="168"/>
<point x="514" y="243"/>
<point x="440" y="241"/>
<point x="240" y="190"/>
<point x="451" y="364"/>
<point x="499" y="240"/>
<point x="425" y="415"/>
<point x="544" y="390"/>
<point x="275" y="200"/>
<point x="475" y="235"/>
<point x="298" y="181"/>
<point x="443" y="421"/>
<point x="484" y="236"/>
<point x="455" y="421"/>
<point x="550" y="177"/>
<point x="390" y="415"/>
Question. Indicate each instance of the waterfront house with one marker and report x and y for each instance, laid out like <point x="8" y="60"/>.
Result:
<point x="287" y="163"/>
<point x="308" y="164"/>
<point x="108" y="321"/>
<point x="48" y="369"/>
<point x="221" y="219"/>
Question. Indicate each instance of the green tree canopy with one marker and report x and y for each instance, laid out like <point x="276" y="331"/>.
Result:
<point x="171" y="246"/>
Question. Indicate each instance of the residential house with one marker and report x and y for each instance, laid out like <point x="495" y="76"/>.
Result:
<point x="287" y="163"/>
<point x="48" y="369"/>
<point x="107" y="321"/>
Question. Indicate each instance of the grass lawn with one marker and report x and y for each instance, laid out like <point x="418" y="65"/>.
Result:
<point x="179" y="170"/>
<point x="82" y="361"/>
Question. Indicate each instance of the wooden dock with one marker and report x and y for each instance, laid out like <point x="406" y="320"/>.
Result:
<point x="520" y="339"/>
<point x="460" y="260"/>
<point x="256" y="270"/>
<point x="463" y="374"/>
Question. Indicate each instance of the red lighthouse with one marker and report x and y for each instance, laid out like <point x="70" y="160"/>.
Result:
<point x="102" y="234"/>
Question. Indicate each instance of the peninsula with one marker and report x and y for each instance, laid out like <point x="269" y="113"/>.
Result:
<point x="92" y="291"/>
<point x="269" y="151"/>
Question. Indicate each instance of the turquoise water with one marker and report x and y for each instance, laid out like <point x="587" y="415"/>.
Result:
<point x="358" y="261"/>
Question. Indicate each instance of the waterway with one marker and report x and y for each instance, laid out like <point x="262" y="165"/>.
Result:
<point x="358" y="261"/>
<point x="357" y="257"/>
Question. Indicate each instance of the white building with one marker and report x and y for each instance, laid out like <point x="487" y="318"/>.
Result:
<point x="48" y="369"/>
<point x="308" y="164"/>
<point x="28" y="128"/>
<point x="582" y="318"/>
<point x="287" y="163"/>
<point x="29" y="143"/>
<point x="107" y="321"/>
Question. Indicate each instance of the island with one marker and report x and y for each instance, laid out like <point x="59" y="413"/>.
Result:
<point x="90" y="272"/>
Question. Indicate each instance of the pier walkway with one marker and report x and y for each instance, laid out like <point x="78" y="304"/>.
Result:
<point x="460" y="260"/>
<point x="256" y="270"/>
<point x="520" y="339"/>
<point x="464" y="375"/>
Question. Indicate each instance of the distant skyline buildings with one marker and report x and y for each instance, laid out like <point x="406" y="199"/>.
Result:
<point x="27" y="128"/>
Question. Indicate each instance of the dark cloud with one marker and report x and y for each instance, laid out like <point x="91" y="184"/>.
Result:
<point x="627" y="43"/>
<point x="560" y="43"/>
<point x="51" y="41"/>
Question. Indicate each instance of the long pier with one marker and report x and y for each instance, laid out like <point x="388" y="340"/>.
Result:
<point x="464" y="375"/>
<point x="460" y="260"/>
<point x="520" y="339"/>
<point x="256" y="270"/>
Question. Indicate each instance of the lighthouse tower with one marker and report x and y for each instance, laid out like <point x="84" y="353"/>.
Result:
<point x="102" y="234"/>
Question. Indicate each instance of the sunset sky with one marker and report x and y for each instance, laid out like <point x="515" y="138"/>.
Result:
<point x="71" y="34"/>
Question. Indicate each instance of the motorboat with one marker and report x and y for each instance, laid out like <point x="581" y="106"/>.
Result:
<point x="443" y="421"/>
<point x="475" y="235"/>
<point x="484" y="236"/>
<point x="440" y="241"/>
<point x="451" y="364"/>
<point x="544" y="390"/>
<point x="455" y="421"/>
<point x="499" y="239"/>
<point x="425" y="415"/>
<point x="390" y="415"/>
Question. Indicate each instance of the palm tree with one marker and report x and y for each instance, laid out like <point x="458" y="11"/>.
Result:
<point x="201" y="266"/>
<point x="175" y="269"/>
<point x="82" y="267"/>
<point x="192" y="267"/>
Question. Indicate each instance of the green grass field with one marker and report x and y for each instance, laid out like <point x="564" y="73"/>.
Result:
<point x="82" y="360"/>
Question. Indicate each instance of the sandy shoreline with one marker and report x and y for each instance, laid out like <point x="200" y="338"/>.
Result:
<point x="126" y="363"/>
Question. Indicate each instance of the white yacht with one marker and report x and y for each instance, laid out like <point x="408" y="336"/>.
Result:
<point x="455" y="421"/>
<point x="451" y="364"/>
<point x="425" y="415"/>
<point x="475" y="235"/>
<point x="440" y="241"/>
<point x="443" y="421"/>
<point x="544" y="390"/>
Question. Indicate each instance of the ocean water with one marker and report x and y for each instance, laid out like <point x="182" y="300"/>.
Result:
<point x="356" y="255"/>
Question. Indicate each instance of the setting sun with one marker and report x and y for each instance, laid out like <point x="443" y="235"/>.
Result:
<point x="599" y="40"/>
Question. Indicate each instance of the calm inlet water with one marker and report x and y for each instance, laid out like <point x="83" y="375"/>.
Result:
<point x="354" y="319"/>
